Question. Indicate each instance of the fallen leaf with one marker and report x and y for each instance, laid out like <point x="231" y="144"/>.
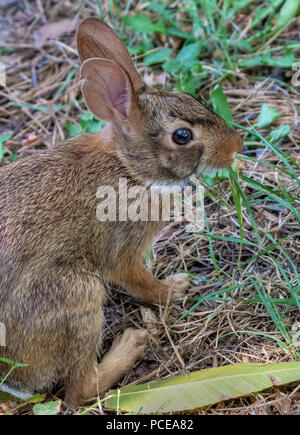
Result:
<point x="54" y="30"/>
<point x="48" y="408"/>
<point x="202" y="388"/>
<point x="149" y="320"/>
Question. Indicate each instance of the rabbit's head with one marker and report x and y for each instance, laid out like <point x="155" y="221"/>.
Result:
<point x="162" y="137"/>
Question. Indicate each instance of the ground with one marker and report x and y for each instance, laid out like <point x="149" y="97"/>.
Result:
<point x="244" y="263"/>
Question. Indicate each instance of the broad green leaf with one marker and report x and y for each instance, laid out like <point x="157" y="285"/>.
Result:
<point x="220" y="103"/>
<point x="49" y="408"/>
<point x="202" y="388"/>
<point x="188" y="83"/>
<point x="172" y="66"/>
<point x="93" y="126"/>
<point x="73" y="129"/>
<point x="142" y="23"/>
<point x="279" y="133"/>
<point x="87" y="116"/>
<point x="189" y="52"/>
<point x="3" y="139"/>
<point x="251" y="62"/>
<point x="244" y="45"/>
<point x="158" y="56"/>
<point x="286" y="61"/>
<point x="288" y="11"/>
<point x="267" y="115"/>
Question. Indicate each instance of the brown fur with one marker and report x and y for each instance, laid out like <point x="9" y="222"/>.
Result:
<point x="54" y="253"/>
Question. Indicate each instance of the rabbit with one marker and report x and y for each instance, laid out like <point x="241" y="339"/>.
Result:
<point x="56" y="255"/>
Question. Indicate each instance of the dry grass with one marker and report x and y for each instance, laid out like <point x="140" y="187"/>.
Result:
<point x="209" y="336"/>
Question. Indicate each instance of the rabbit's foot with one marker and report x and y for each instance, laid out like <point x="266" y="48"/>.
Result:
<point x="178" y="285"/>
<point x="127" y="349"/>
<point x="125" y="352"/>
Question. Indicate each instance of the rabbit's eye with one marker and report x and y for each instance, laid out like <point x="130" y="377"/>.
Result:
<point x="182" y="136"/>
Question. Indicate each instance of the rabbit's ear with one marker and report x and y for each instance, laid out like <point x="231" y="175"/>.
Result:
<point x="107" y="89"/>
<point x="96" y="39"/>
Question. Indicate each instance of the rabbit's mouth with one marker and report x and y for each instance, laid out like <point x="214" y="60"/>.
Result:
<point x="212" y="166"/>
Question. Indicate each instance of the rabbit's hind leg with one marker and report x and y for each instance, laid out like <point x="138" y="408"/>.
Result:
<point x="125" y="352"/>
<point x="54" y="326"/>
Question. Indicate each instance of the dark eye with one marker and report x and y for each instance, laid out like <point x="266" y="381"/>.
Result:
<point x="182" y="136"/>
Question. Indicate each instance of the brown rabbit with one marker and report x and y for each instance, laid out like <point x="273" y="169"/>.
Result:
<point x="54" y="252"/>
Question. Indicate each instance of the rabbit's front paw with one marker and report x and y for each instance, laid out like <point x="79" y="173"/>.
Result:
<point x="178" y="285"/>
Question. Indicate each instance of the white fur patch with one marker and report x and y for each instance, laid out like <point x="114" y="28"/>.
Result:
<point x="166" y="188"/>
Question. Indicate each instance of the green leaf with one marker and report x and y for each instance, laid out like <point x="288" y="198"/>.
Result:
<point x="92" y="126"/>
<point x="220" y="103"/>
<point x="267" y="115"/>
<point x="158" y="56"/>
<point x="263" y="13"/>
<point x="7" y="361"/>
<point x="49" y="408"/>
<point x="240" y="4"/>
<point x="244" y="45"/>
<point x="142" y="23"/>
<point x="189" y="52"/>
<point x="250" y="62"/>
<point x="188" y="83"/>
<point x="87" y="116"/>
<point x="172" y="66"/>
<point x="37" y="398"/>
<point x="160" y="9"/>
<point x="141" y="48"/>
<point x="88" y="124"/>
<point x="73" y="129"/>
<point x="202" y="388"/>
<point x="288" y="11"/>
<point x="3" y="139"/>
<point x="17" y="364"/>
<point x="286" y="61"/>
<point x="176" y="31"/>
<point x="279" y="133"/>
